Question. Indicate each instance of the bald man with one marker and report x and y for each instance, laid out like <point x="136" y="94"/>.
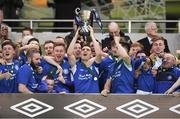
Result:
<point x="167" y="74"/>
<point x="114" y="30"/>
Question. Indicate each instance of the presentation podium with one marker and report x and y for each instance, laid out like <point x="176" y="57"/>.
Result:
<point x="89" y="106"/>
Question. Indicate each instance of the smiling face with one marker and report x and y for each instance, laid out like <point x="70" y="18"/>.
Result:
<point x="48" y="49"/>
<point x="8" y="52"/>
<point x="158" y="46"/>
<point x="59" y="53"/>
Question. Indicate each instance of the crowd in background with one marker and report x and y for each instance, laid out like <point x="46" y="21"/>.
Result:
<point x="77" y="65"/>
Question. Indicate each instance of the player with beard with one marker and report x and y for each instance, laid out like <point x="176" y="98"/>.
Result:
<point x="85" y="71"/>
<point x="8" y="81"/>
<point x="33" y="43"/>
<point x="27" y="82"/>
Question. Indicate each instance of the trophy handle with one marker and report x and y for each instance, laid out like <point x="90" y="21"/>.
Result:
<point x="77" y="18"/>
<point x="97" y="18"/>
<point x="77" y="11"/>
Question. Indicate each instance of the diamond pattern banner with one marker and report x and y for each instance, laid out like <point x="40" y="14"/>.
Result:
<point x="70" y="106"/>
<point x="31" y="107"/>
<point x="85" y="108"/>
<point x="137" y="108"/>
<point x="175" y="109"/>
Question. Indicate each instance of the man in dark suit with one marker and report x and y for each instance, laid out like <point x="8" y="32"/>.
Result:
<point x="151" y="31"/>
<point x="114" y="30"/>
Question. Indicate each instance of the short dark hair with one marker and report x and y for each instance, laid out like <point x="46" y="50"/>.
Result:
<point x="141" y="51"/>
<point x="85" y="44"/>
<point x="28" y="29"/>
<point x="158" y="38"/>
<point x="136" y="44"/>
<point x="7" y="42"/>
<point x="62" y="38"/>
<point x="48" y="41"/>
<point x="32" y="39"/>
<point x="60" y="44"/>
<point x="35" y="39"/>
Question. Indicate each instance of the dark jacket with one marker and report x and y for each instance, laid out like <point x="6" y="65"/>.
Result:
<point x="147" y="45"/>
<point x="107" y="41"/>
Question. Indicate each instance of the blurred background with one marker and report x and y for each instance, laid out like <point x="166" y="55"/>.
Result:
<point x="108" y="10"/>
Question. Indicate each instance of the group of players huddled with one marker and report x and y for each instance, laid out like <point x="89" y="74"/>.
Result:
<point x="116" y="65"/>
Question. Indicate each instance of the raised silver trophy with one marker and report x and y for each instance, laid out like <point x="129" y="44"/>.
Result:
<point x="84" y="18"/>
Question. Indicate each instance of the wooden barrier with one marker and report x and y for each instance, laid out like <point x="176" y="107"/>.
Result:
<point x="88" y="106"/>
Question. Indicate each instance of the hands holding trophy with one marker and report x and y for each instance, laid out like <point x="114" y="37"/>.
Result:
<point x="84" y="18"/>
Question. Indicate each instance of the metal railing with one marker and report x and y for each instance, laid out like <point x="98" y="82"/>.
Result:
<point x="131" y="26"/>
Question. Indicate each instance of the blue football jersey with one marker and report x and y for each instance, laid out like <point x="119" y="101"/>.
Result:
<point x="122" y="77"/>
<point x="166" y="78"/>
<point x="9" y="85"/>
<point x="85" y="79"/>
<point x="26" y="76"/>
<point x="146" y="81"/>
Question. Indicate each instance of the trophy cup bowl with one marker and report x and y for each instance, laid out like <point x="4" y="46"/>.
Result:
<point x="85" y="15"/>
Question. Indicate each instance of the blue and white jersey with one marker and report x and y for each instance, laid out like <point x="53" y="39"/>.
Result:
<point x="104" y="68"/>
<point x="49" y="69"/>
<point x="122" y="77"/>
<point x="22" y="58"/>
<point x="67" y="77"/>
<point x="166" y="78"/>
<point x="146" y="81"/>
<point x="43" y="65"/>
<point x="26" y="76"/>
<point x="85" y="79"/>
<point x="9" y="85"/>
